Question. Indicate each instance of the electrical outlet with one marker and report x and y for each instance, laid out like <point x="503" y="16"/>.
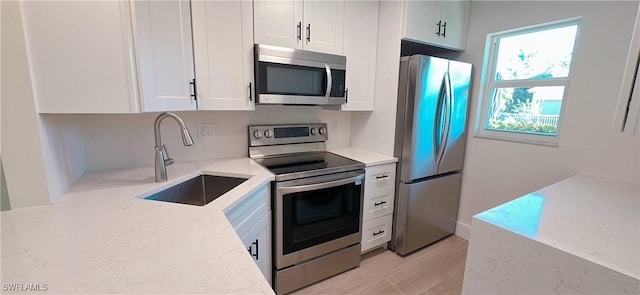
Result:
<point x="206" y="130"/>
<point x="336" y="125"/>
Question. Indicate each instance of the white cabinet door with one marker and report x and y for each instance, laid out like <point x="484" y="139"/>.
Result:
<point x="440" y="23"/>
<point x="278" y="23"/>
<point x="223" y="51"/>
<point x="260" y="242"/>
<point x="79" y="56"/>
<point x="323" y="26"/>
<point x="360" y="47"/>
<point x="311" y="25"/>
<point x="455" y="14"/>
<point x="420" y="21"/>
<point x="164" y="54"/>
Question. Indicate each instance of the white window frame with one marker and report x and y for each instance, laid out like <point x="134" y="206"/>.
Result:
<point x="488" y="82"/>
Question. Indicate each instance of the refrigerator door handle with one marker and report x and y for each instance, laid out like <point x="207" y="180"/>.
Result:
<point x="444" y="117"/>
<point x="449" y="116"/>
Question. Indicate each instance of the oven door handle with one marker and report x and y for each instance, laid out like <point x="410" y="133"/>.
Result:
<point x="317" y="186"/>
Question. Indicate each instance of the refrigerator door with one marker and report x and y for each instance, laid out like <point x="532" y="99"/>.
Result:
<point x="427" y="212"/>
<point x="417" y="128"/>
<point x="452" y="157"/>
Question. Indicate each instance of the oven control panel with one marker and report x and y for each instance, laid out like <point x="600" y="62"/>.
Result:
<point x="261" y="135"/>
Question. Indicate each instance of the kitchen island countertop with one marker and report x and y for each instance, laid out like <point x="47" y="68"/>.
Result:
<point x="102" y="237"/>
<point x="580" y="235"/>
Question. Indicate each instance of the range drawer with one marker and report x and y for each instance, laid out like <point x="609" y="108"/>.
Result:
<point x="380" y="176"/>
<point x="378" y="203"/>
<point x="376" y="232"/>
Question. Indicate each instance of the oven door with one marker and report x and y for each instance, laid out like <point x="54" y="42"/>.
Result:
<point x="317" y="215"/>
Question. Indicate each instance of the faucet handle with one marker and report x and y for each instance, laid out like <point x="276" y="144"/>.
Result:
<point x="168" y="160"/>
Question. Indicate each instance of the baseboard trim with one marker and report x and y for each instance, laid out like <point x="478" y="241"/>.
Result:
<point x="463" y="230"/>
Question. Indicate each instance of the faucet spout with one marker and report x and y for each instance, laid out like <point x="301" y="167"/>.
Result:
<point x="162" y="154"/>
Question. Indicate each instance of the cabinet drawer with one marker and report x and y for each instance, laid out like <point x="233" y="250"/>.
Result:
<point x="378" y="203"/>
<point x="376" y="232"/>
<point x="380" y="176"/>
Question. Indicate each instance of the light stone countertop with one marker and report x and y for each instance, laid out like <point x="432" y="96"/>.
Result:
<point x="101" y="237"/>
<point x="595" y="219"/>
<point x="366" y="157"/>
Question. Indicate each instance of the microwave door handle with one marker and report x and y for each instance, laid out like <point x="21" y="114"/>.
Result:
<point x="327" y="93"/>
<point x="317" y="186"/>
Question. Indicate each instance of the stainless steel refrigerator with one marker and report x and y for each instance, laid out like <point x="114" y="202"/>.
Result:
<point x="430" y="141"/>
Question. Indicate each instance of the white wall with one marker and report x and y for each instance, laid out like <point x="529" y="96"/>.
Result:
<point x="127" y="140"/>
<point x="495" y="171"/>
<point x="22" y="156"/>
<point x="375" y="131"/>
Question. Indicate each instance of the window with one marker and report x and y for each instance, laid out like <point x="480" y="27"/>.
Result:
<point x="525" y="81"/>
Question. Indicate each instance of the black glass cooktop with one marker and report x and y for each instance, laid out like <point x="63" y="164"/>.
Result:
<point x="308" y="164"/>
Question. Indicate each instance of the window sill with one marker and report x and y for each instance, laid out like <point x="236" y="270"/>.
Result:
<point x="516" y="140"/>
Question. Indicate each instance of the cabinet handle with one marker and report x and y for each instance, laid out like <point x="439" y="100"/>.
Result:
<point x="380" y="232"/>
<point x="308" y="33"/>
<point x="346" y="95"/>
<point x="250" y="98"/>
<point x="444" y="33"/>
<point x="299" y="31"/>
<point x="193" y="84"/>
<point x="256" y="255"/>
<point x="381" y="203"/>
<point x="439" y="27"/>
<point x="382" y="176"/>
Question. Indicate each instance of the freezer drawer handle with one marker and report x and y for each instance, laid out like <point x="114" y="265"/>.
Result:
<point x="381" y="203"/>
<point x="382" y="176"/>
<point x="380" y="232"/>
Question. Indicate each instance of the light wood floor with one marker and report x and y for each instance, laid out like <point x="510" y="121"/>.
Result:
<point x="437" y="269"/>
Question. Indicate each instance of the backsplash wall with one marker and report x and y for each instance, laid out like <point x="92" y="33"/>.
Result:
<point x="127" y="140"/>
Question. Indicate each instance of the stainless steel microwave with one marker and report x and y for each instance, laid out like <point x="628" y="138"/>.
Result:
<point x="298" y="77"/>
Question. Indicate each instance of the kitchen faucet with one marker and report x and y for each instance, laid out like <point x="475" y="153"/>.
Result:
<point x="162" y="154"/>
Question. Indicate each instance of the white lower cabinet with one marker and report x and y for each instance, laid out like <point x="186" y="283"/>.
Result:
<point x="251" y="219"/>
<point x="258" y="244"/>
<point x="376" y="232"/>
<point x="377" y="214"/>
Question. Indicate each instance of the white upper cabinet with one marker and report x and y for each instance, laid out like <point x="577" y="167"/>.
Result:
<point x="223" y="51"/>
<point x="310" y="25"/>
<point x="442" y="23"/>
<point x="360" y="47"/>
<point x="278" y="23"/>
<point x="323" y="26"/>
<point x="165" y="55"/>
<point x="79" y="56"/>
<point x="109" y="56"/>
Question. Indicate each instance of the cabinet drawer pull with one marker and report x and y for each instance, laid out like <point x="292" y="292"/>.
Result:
<point x="382" y="176"/>
<point x="308" y="33"/>
<point x="439" y="27"/>
<point x="379" y="232"/>
<point x="299" y="31"/>
<point x="381" y="203"/>
<point x="255" y="255"/>
<point x="250" y="92"/>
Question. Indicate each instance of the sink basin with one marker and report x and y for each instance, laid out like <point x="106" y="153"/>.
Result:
<point x="198" y="191"/>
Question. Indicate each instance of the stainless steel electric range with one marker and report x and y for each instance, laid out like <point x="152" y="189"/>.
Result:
<point x="317" y="199"/>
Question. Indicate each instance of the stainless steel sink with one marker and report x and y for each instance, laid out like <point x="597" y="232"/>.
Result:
<point x="199" y="191"/>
